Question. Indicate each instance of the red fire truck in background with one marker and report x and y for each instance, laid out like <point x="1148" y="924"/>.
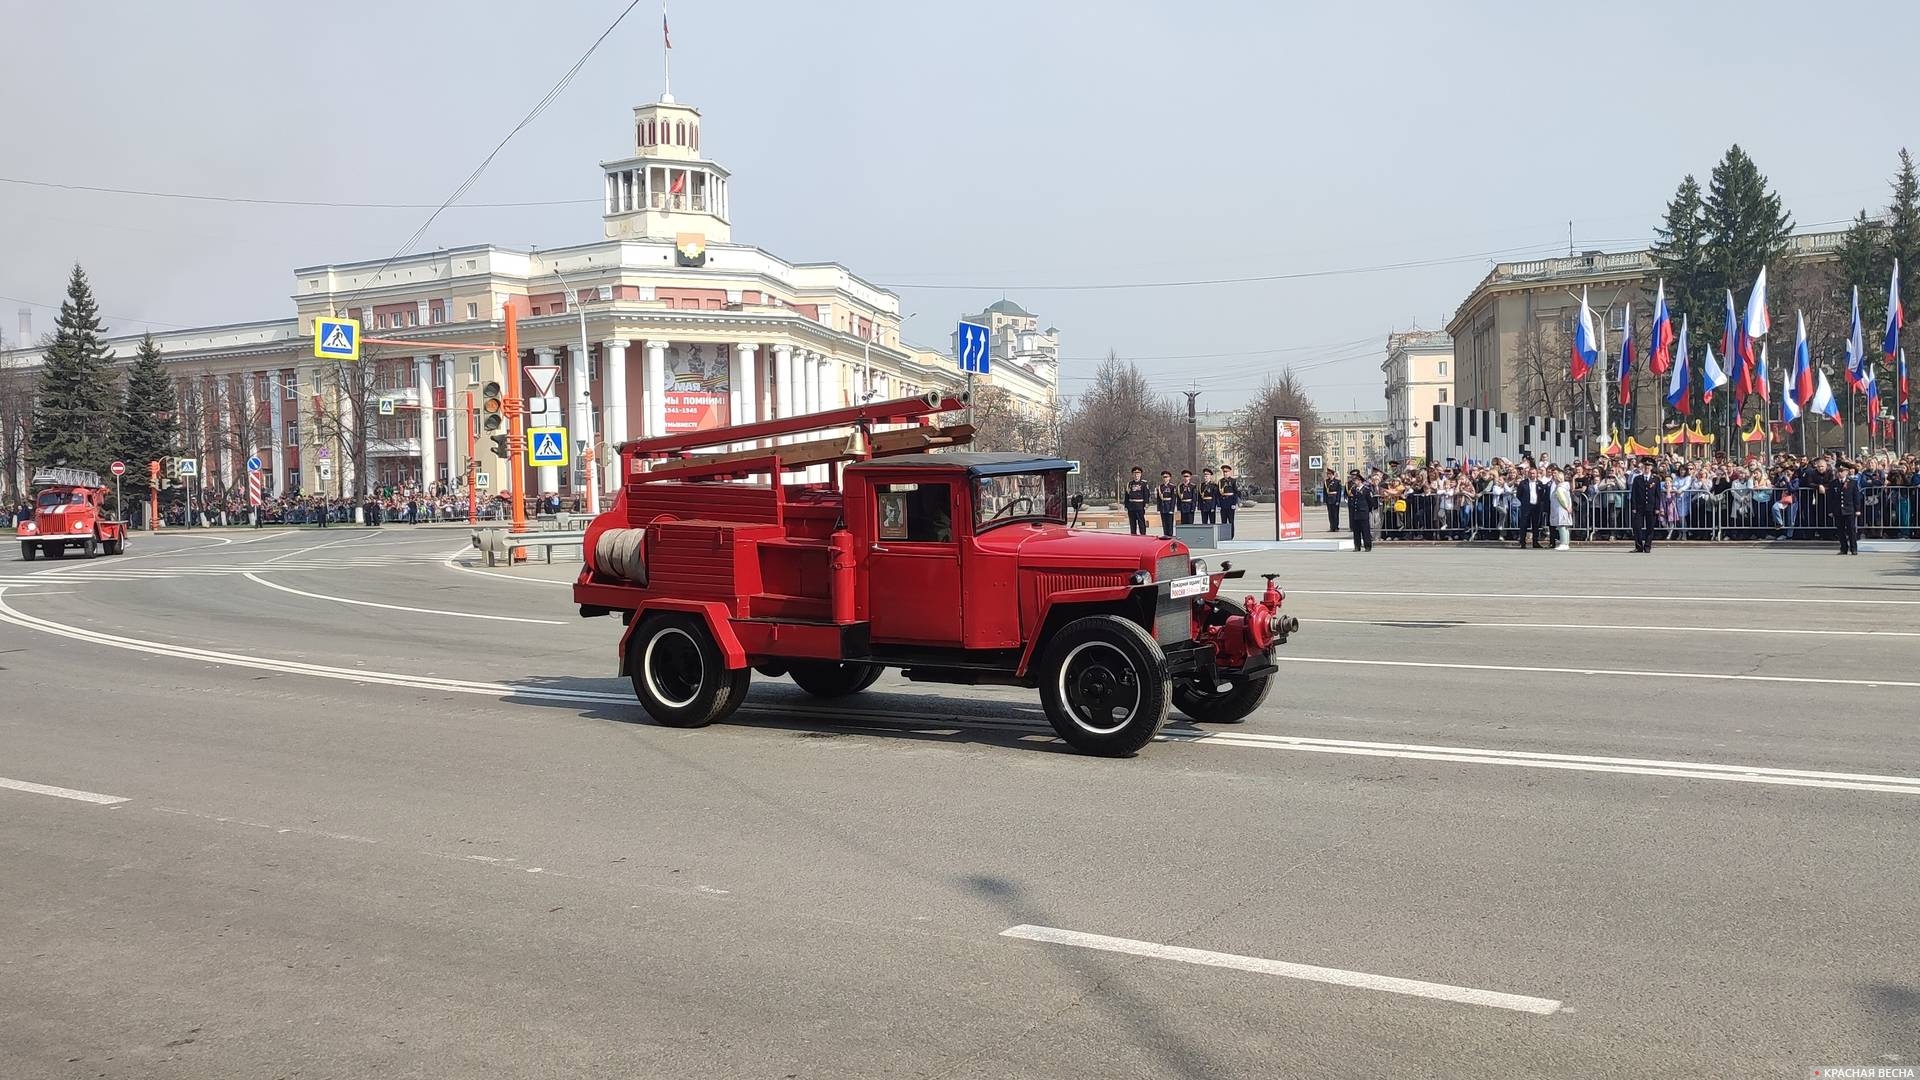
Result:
<point x="69" y="510"/>
<point x="947" y="566"/>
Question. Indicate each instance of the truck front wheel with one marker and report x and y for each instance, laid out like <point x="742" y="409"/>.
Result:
<point x="679" y="674"/>
<point x="828" y="679"/>
<point x="1104" y="685"/>
<point x="1208" y="705"/>
<point x="28" y="550"/>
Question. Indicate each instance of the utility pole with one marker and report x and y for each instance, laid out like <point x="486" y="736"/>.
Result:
<point x="1193" y="432"/>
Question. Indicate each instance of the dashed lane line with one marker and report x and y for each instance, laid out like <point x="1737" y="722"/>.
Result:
<point x="1607" y="596"/>
<point x="1473" y="624"/>
<point x="1359" y="980"/>
<point x="60" y="792"/>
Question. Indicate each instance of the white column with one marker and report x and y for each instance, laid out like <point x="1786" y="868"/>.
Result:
<point x="804" y="383"/>
<point x="277" y="441"/>
<point x="581" y="427"/>
<point x="783" y="402"/>
<point x="656" y="388"/>
<point x="745" y="381"/>
<point x="547" y="476"/>
<point x="429" y="453"/>
<point x="613" y="387"/>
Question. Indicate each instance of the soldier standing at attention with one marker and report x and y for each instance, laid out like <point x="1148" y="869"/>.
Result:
<point x="1209" y="498"/>
<point x="1136" y="503"/>
<point x="1361" y="497"/>
<point x="1164" y="499"/>
<point x="1188" y="496"/>
<point x="1643" y="506"/>
<point x="1229" y="497"/>
<point x="1846" y="495"/>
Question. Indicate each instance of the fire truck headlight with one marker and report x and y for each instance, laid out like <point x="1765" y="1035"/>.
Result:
<point x="1197" y="566"/>
<point x="1141" y="577"/>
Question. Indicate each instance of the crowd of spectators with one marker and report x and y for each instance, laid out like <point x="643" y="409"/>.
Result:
<point x="296" y="509"/>
<point x="1713" y="498"/>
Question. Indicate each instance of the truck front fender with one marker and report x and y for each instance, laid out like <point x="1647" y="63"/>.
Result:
<point x="1115" y="599"/>
<point x="716" y="616"/>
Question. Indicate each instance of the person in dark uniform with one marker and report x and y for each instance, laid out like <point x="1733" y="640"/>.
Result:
<point x="1188" y="496"/>
<point x="1360" y="499"/>
<point x="1229" y="498"/>
<point x="1164" y="502"/>
<point x="1331" y="493"/>
<point x="1209" y="499"/>
<point x="1136" y="503"/>
<point x="1643" y="506"/>
<point x="1845" y="497"/>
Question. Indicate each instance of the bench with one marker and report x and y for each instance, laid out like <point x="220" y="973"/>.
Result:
<point x="498" y="544"/>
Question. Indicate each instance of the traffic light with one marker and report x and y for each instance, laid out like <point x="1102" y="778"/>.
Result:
<point x="493" y="407"/>
<point x="500" y="446"/>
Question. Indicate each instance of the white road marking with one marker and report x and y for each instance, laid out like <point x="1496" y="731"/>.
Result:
<point x="60" y="792"/>
<point x="1648" y="673"/>
<point x="492" y="576"/>
<point x="1888" y="784"/>
<point x="269" y="536"/>
<point x="317" y="547"/>
<point x="1449" y="623"/>
<point x="1359" y="980"/>
<point x="258" y="580"/>
<point x="1602" y="596"/>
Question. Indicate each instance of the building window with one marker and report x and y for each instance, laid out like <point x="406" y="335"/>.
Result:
<point x="1443" y="367"/>
<point x="437" y="315"/>
<point x="1443" y="395"/>
<point x="293" y="433"/>
<point x="292" y="385"/>
<point x="413" y="317"/>
<point x="473" y="366"/>
<point x="440" y="426"/>
<point x="473" y="311"/>
<point x="439" y="375"/>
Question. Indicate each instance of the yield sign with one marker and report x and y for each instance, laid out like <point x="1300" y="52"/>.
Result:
<point x="542" y="378"/>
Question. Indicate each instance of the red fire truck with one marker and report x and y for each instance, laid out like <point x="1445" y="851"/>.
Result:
<point x="946" y="565"/>
<point x="69" y="510"/>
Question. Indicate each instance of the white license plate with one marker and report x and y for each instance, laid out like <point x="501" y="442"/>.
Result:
<point x="1187" y="586"/>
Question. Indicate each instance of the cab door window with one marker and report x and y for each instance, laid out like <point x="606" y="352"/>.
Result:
<point x="914" y="513"/>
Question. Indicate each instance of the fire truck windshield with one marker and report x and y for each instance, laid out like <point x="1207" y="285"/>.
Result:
<point x="50" y="499"/>
<point x="1020" y="497"/>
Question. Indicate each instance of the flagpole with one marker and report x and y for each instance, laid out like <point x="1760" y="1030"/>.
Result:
<point x="1605" y="395"/>
<point x="666" y="51"/>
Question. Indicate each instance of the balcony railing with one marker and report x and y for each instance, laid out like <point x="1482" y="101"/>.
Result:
<point x="665" y="201"/>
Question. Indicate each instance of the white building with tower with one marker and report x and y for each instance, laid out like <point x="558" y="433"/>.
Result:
<point x="661" y="324"/>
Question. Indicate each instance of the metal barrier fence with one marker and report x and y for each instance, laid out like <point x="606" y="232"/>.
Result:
<point x="1741" y="513"/>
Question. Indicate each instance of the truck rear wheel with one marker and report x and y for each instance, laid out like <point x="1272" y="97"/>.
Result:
<point x="1104" y="685"/>
<point x="91" y="546"/>
<point x="825" y="678"/>
<point x="679" y="675"/>
<point x="1206" y="705"/>
<point x="114" y="546"/>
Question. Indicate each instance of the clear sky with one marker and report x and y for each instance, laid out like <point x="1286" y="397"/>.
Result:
<point x="1003" y="148"/>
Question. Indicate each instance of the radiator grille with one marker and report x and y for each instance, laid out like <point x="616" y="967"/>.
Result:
<point x="1172" y="619"/>
<point x="1170" y="567"/>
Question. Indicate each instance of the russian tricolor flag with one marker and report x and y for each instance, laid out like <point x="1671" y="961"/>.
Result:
<point x="1730" y="342"/>
<point x="1762" y="382"/>
<point x="1871" y="387"/>
<point x="1586" y="348"/>
<point x="1679" y="399"/>
<point x="1789" y="408"/>
<point x="1660" y="348"/>
<point x="1711" y="377"/>
<point x="1856" y="347"/>
<point x="1823" y="403"/>
<point x="1802" y="361"/>
<point x="1896" y="314"/>
<point x="1626" y="361"/>
<point x="1901" y="389"/>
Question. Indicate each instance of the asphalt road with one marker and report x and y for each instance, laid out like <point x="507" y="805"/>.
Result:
<point x="1607" y="814"/>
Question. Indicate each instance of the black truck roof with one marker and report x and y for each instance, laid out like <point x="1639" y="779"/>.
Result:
<point x="976" y="464"/>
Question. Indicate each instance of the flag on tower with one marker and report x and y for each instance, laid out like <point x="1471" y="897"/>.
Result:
<point x="1856" y="347"/>
<point x="1585" y="349"/>
<point x="665" y="34"/>
<point x="1802" y="361"/>
<point x="1711" y="377"/>
<point x="1679" y="397"/>
<point x="1823" y="403"/>
<point x="1660" y="347"/>
<point x="1896" y="315"/>
<point x="1626" y="361"/>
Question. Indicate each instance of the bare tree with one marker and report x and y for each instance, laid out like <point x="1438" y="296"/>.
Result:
<point x="1543" y="375"/>
<point x="1117" y="423"/>
<point x="16" y="418"/>
<point x="1252" y="434"/>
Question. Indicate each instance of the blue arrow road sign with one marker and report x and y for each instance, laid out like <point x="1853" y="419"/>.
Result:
<point x="972" y="343"/>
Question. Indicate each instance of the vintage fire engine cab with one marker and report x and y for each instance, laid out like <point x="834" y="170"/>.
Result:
<point x="951" y="567"/>
<point x="69" y="510"/>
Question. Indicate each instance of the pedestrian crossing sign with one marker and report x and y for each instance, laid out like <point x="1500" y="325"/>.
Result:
<point x="336" y="339"/>
<point x="547" y="446"/>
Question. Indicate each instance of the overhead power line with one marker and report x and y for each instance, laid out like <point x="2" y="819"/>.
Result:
<point x="473" y="177"/>
<point x="250" y="201"/>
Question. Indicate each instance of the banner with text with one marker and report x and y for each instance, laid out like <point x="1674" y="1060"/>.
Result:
<point x="1286" y="477"/>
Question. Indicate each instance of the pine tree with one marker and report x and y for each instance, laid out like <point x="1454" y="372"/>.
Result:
<point x="1680" y="252"/>
<point x="74" y="407"/>
<point x="148" y="424"/>
<point x="1746" y="228"/>
<point x="1903" y="243"/>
